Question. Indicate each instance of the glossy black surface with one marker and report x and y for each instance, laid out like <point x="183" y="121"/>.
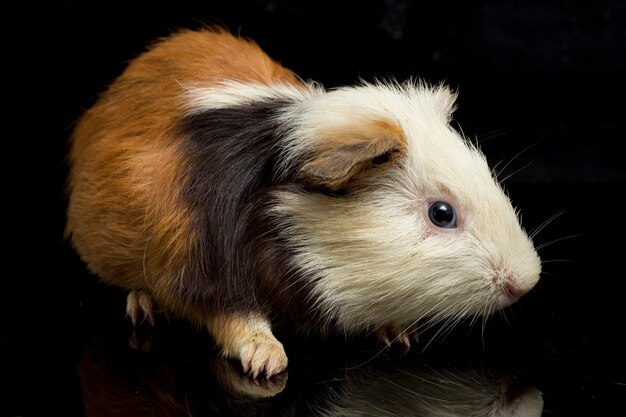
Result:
<point x="546" y="80"/>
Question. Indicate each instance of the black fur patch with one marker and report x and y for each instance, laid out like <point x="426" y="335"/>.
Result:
<point x="231" y="154"/>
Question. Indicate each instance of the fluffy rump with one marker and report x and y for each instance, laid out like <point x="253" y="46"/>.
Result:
<point x="134" y="214"/>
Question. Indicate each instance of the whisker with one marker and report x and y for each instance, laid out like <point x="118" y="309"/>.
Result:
<point x="550" y="275"/>
<point x="542" y="226"/>
<point x="494" y="169"/>
<point x="449" y="324"/>
<point x="371" y="358"/>
<point x="488" y="312"/>
<point x="506" y="318"/>
<point x="474" y="320"/>
<point x="482" y="331"/>
<point x="516" y="171"/>
<point x="382" y="349"/>
<point x="517" y="155"/>
<point x="491" y="135"/>
<point x="550" y="242"/>
<point x="413" y="330"/>
<point x="434" y="337"/>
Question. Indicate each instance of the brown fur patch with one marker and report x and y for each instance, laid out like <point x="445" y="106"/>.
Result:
<point x="126" y="217"/>
<point x="348" y="151"/>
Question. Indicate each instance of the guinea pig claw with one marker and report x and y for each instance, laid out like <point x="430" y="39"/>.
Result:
<point x="228" y="375"/>
<point x="404" y="340"/>
<point x="394" y="335"/>
<point x="249" y="338"/>
<point x="139" y="304"/>
<point x="382" y="336"/>
<point x="263" y="356"/>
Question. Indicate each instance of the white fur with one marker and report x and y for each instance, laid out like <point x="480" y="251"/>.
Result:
<point x="373" y="258"/>
<point x="231" y="93"/>
<point x="308" y="122"/>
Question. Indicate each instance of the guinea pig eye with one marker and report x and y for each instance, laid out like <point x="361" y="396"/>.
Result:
<point x="442" y="214"/>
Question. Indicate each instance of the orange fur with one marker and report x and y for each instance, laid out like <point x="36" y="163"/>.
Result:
<point x="139" y="236"/>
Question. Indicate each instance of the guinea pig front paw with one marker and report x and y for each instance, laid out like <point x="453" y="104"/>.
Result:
<point x="396" y="335"/>
<point x="249" y="338"/>
<point x="140" y="305"/>
<point x="262" y="353"/>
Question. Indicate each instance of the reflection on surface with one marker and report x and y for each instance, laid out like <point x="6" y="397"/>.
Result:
<point x="177" y="375"/>
<point x="426" y="391"/>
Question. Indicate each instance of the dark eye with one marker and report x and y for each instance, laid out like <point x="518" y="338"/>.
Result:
<point x="442" y="215"/>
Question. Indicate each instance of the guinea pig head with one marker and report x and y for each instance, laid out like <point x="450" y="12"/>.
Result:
<point x="407" y="222"/>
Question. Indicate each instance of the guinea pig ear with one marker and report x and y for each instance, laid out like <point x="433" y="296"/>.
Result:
<point x="348" y="154"/>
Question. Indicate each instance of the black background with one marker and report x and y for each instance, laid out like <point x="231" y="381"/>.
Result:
<point x="544" y="80"/>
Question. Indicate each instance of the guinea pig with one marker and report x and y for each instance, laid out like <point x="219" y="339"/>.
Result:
<point x="210" y="181"/>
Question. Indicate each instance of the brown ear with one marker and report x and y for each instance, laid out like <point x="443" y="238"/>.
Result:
<point x="350" y="156"/>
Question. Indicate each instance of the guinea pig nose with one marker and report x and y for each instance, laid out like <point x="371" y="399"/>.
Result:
<point x="510" y="284"/>
<point x="513" y="290"/>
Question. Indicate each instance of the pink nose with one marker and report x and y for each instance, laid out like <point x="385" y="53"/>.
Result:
<point x="510" y="285"/>
<point x="512" y="290"/>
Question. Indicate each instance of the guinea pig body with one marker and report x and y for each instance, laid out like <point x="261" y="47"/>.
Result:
<point x="212" y="181"/>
